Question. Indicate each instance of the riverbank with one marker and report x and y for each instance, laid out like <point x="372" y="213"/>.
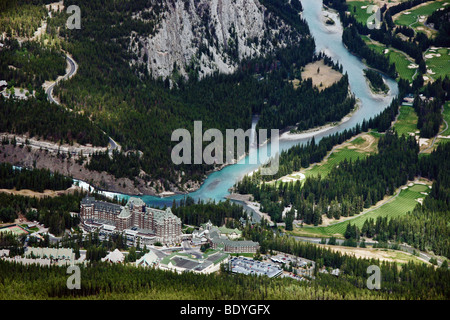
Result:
<point x="294" y="135"/>
<point x="253" y="205"/>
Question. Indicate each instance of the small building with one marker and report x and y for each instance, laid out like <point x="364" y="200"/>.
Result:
<point x="4" y="253"/>
<point x="336" y="272"/>
<point x="180" y="262"/>
<point x="148" y="260"/>
<point x="230" y="233"/>
<point x="114" y="257"/>
<point x="235" y="246"/>
<point x="3" y="85"/>
<point x="249" y="266"/>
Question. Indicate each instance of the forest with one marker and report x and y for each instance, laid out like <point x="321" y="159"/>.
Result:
<point x="21" y="17"/>
<point x="348" y="189"/>
<point x="119" y="164"/>
<point x="355" y="44"/>
<point x="429" y="106"/>
<point x="441" y="21"/>
<point x="196" y="214"/>
<point x="303" y="155"/>
<point x="116" y="281"/>
<point x="141" y="113"/>
<point x="29" y="64"/>
<point x="376" y="81"/>
<point x="36" y="179"/>
<point x="39" y="118"/>
<point x="54" y="213"/>
<point x="426" y="227"/>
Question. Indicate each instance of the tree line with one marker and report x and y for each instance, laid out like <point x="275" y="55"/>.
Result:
<point x="29" y="64"/>
<point x="36" y="180"/>
<point x="38" y="117"/>
<point x="219" y="214"/>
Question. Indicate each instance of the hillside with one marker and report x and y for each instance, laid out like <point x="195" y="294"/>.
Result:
<point x="208" y="36"/>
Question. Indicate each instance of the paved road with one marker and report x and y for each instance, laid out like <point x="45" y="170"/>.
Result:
<point x="73" y="69"/>
<point x="188" y="249"/>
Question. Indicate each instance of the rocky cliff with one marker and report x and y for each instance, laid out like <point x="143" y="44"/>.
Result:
<point x="195" y="38"/>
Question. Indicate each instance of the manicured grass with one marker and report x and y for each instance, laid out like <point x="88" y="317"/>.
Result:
<point x="403" y="203"/>
<point x="426" y="10"/>
<point x="334" y="160"/>
<point x="400" y="59"/>
<point x="407" y="121"/>
<point x="360" y="14"/>
<point x="439" y="65"/>
<point x="358" y="141"/>
<point x="354" y="150"/>
<point x="401" y="64"/>
<point x="420" y="27"/>
<point x="245" y="254"/>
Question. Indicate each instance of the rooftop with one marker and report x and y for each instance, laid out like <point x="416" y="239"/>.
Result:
<point x="250" y="266"/>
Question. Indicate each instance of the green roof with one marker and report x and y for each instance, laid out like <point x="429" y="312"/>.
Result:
<point x="228" y="230"/>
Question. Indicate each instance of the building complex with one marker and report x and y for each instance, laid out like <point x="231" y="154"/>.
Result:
<point x="136" y="220"/>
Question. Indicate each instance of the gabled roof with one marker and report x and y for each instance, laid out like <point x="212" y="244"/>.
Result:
<point x="148" y="259"/>
<point x="125" y="213"/>
<point x="115" y="256"/>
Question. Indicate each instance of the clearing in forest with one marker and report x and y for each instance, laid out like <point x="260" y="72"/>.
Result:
<point x="322" y="76"/>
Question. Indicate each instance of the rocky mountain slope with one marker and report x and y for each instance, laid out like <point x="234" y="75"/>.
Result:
<point x="199" y="37"/>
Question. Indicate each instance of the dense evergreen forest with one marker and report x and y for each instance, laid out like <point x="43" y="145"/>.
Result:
<point x="355" y="44"/>
<point x="29" y="64"/>
<point x="106" y="281"/>
<point x="36" y="179"/>
<point x="303" y="155"/>
<point x="304" y="107"/>
<point x="119" y="164"/>
<point x="54" y="212"/>
<point x="376" y="81"/>
<point x="221" y="213"/>
<point x="125" y="101"/>
<point x="441" y="21"/>
<point x="426" y="227"/>
<point x="40" y="118"/>
<point x="347" y="189"/>
<point x="21" y="18"/>
<point x="429" y="106"/>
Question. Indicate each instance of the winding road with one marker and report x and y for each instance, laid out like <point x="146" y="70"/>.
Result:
<point x="73" y="68"/>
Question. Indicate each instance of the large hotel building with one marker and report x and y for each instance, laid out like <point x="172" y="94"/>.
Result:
<point x="138" y="221"/>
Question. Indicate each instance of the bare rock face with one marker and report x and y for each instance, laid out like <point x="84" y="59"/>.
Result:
<point x="200" y="37"/>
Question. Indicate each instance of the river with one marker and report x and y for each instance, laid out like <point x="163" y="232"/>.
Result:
<point x="329" y="40"/>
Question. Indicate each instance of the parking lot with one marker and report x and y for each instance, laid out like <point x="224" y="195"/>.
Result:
<point x="252" y="267"/>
